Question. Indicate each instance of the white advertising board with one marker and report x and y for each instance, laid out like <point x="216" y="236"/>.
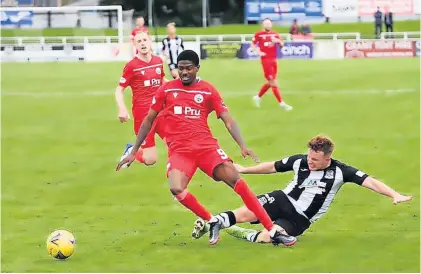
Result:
<point x="123" y="52"/>
<point x="326" y="49"/>
<point x="340" y="8"/>
<point x="42" y="53"/>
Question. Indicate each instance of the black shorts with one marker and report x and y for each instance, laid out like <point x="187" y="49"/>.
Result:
<point x="283" y="213"/>
<point x="172" y="66"/>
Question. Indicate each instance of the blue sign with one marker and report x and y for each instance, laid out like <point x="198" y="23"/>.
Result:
<point x="291" y="50"/>
<point x="282" y="10"/>
<point x="16" y="18"/>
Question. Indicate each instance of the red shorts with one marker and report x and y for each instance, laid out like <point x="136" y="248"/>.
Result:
<point x="157" y="127"/>
<point x="206" y="158"/>
<point x="270" y="68"/>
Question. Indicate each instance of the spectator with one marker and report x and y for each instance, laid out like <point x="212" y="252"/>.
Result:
<point x="378" y="15"/>
<point x="294" y="30"/>
<point x="305" y="29"/>
<point x="388" y="21"/>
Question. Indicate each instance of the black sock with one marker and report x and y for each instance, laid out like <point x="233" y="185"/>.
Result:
<point x="252" y="237"/>
<point x="227" y="219"/>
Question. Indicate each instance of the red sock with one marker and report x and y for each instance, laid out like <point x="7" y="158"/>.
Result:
<point x="263" y="89"/>
<point x="252" y="203"/>
<point x="277" y="94"/>
<point x="139" y="156"/>
<point x="188" y="200"/>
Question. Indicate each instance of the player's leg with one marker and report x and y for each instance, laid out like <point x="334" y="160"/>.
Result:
<point x="273" y="81"/>
<point x="180" y="170"/>
<point x="251" y="235"/>
<point x="227" y="219"/>
<point x="148" y="153"/>
<point x="217" y="165"/>
<point x="290" y="226"/>
<point x="277" y="206"/>
<point x="228" y="173"/>
<point x="265" y="87"/>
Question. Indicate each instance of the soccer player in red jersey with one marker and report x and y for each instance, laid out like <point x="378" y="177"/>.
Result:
<point x="187" y="102"/>
<point x="144" y="74"/>
<point x="267" y="41"/>
<point x="140" y="27"/>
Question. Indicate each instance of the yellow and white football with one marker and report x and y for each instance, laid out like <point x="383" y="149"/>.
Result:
<point x="61" y="244"/>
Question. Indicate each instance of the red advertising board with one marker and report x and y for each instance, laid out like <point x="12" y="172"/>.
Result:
<point x="397" y="7"/>
<point x="379" y="49"/>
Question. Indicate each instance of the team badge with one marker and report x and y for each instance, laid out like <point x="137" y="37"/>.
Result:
<point x="158" y="70"/>
<point x="198" y="98"/>
<point x="329" y="174"/>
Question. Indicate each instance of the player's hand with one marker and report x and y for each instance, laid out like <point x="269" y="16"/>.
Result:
<point x="123" y="115"/>
<point x="245" y="152"/>
<point x="262" y="53"/>
<point x="128" y="160"/>
<point x="401" y="199"/>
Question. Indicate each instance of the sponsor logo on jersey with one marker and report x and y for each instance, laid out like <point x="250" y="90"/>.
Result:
<point x="156" y="82"/>
<point x="153" y="82"/>
<point x="158" y="70"/>
<point x="313" y="186"/>
<point x="123" y="80"/>
<point x="188" y="112"/>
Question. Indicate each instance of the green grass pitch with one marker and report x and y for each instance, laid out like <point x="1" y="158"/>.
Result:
<point x="61" y="140"/>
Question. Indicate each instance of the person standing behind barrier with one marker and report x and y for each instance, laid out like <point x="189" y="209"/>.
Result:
<point x="378" y="15"/>
<point x="388" y="21"/>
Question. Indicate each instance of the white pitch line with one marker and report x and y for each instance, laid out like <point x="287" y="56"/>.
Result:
<point x="224" y="94"/>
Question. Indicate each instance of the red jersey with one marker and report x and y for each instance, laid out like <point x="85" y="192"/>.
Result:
<point x="138" y="29"/>
<point x="144" y="79"/>
<point x="186" y="111"/>
<point x="264" y="40"/>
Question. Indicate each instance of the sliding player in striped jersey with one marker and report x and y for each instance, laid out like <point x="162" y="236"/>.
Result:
<point x="307" y="197"/>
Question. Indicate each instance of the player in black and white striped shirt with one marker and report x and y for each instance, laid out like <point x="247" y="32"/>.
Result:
<point x="172" y="46"/>
<point x="317" y="179"/>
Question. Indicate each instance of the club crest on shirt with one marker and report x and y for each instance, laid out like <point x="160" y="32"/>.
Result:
<point x="158" y="70"/>
<point x="198" y="98"/>
<point x="329" y="174"/>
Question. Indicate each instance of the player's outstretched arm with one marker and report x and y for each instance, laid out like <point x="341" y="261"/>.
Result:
<point x="123" y="114"/>
<point x="145" y="127"/>
<point x="234" y="130"/>
<point x="263" y="168"/>
<point x="384" y="189"/>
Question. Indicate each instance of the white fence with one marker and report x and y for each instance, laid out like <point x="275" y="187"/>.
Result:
<point x="107" y="49"/>
<point x="196" y="38"/>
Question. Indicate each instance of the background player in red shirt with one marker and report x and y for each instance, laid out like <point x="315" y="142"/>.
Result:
<point x="187" y="102"/>
<point x="267" y="41"/>
<point x="140" y="27"/>
<point x="144" y="74"/>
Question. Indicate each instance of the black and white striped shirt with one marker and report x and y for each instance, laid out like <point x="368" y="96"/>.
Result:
<point x="312" y="192"/>
<point x="172" y="48"/>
